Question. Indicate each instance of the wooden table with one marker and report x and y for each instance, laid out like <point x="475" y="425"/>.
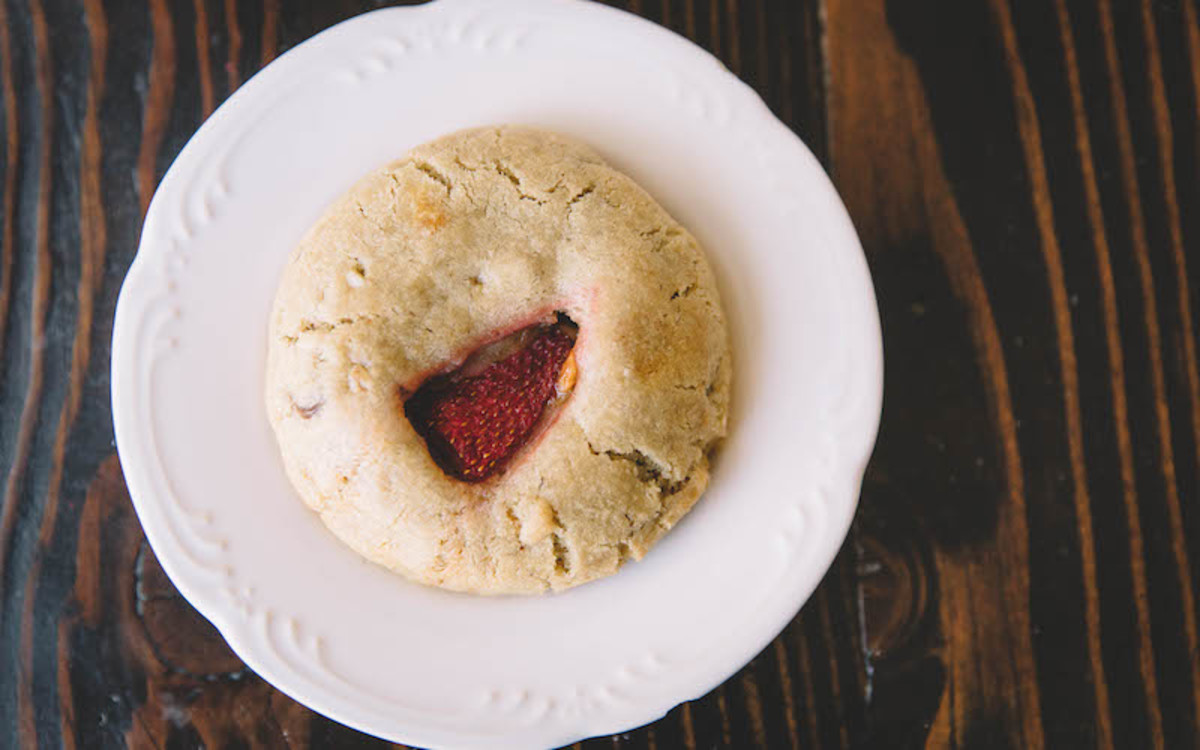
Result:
<point x="1025" y="177"/>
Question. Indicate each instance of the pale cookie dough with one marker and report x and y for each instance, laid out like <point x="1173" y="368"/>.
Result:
<point x="468" y="237"/>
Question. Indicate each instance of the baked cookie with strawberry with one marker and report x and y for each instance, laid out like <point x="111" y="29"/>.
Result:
<point x="498" y="366"/>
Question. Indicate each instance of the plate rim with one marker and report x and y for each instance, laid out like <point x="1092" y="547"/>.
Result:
<point x="131" y="300"/>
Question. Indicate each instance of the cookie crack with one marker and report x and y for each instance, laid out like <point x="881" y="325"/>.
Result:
<point x="684" y="292"/>
<point x="433" y="173"/>
<point x="585" y="192"/>
<point x="562" y="550"/>
<point x="623" y="553"/>
<point x="516" y="523"/>
<point x="661" y="237"/>
<point x="624" y="550"/>
<point x="321" y="326"/>
<point x="363" y="212"/>
<point x="308" y="325"/>
<point x="714" y="374"/>
<point x="648" y="471"/>
<point x="562" y="562"/>
<point x="505" y="171"/>
<point x="588" y="190"/>
<point x="656" y="519"/>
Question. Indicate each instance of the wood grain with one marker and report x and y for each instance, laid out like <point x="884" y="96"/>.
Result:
<point x="91" y="248"/>
<point x="985" y="586"/>
<point x="1032" y="148"/>
<point x="1116" y="365"/>
<point x="11" y="142"/>
<point x="1141" y="253"/>
<point x="1022" y="572"/>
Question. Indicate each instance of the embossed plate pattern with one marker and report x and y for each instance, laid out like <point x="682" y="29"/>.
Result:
<point x="427" y="667"/>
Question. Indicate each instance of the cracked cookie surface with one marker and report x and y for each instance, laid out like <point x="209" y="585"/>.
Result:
<point x="466" y="239"/>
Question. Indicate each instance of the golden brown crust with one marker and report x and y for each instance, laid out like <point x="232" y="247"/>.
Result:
<point x="476" y="233"/>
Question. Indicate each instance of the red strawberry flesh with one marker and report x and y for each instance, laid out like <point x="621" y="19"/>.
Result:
<point x="474" y="423"/>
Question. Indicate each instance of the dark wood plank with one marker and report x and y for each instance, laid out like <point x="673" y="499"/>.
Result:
<point x="987" y="139"/>
<point x="19" y="498"/>
<point x="1033" y="147"/>
<point x="1023" y="569"/>
<point x="11" y="143"/>
<point x="900" y="164"/>
<point x="41" y="672"/>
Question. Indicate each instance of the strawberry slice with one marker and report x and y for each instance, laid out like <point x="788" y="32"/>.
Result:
<point x="475" y="419"/>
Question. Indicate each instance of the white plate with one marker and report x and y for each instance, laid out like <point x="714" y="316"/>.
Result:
<point x="422" y="666"/>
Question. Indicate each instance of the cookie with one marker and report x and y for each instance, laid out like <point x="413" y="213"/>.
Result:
<point x="498" y="366"/>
